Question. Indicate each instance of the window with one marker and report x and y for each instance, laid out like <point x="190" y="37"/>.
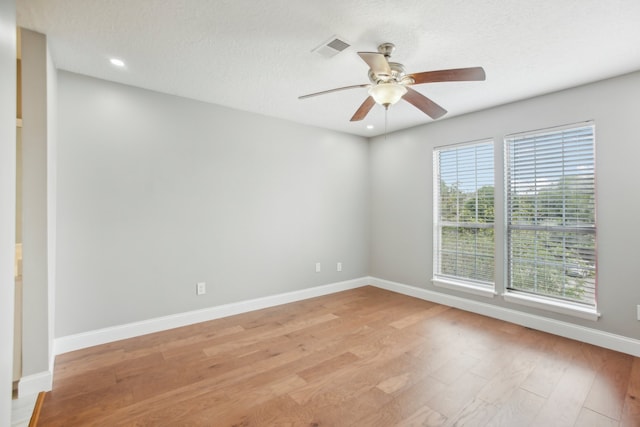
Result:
<point x="464" y="243"/>
<point x="551" y="230"/>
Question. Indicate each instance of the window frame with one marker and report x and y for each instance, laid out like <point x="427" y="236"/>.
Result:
<point x="539" y="300"/>
<point x="459" y="283"/>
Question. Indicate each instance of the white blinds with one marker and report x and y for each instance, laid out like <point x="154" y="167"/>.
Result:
<point x="464" y="212"/>
<point x="550" y="185"/>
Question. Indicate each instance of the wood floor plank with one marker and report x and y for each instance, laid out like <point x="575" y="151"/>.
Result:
<point x="546" y="374"/>
<point x="364" y="357"/>
<point x="405" y="405"/>
<point x="280" y="411"/>
<point x="393" y="384"/>
<point x="476" y="413"/>
<point x="345" y="409"/>
<point x="267" y="333"/>
<point x="565" y="402"/>
<point x="169" y="415"/>
<point x="519" y="409"/>
<point x="455" y="367"/>
<point x="631" y="408"/>
<point x="327" y="367"/>
<point x="499" y="388"/>
<point x="418" y="316"/>
<point x="63" y="410"/>
<point x="589" y="418"/>
<point x="610" y="386"/>
<point x="450" y="401"/>
<point x="424" y="416"/>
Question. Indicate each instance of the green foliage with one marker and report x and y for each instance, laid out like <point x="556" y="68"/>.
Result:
<point x="554" y="263"/>
<point x="567" y="202"/>
<point x="479" y="206"/>
<point x="459" y="206"/>
<point x="467" y="251"/>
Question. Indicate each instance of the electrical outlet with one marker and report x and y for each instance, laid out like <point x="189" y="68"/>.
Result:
<point x="317" y="267"/>
<point x="201" y="288"/>
<point x="339" y="267"/>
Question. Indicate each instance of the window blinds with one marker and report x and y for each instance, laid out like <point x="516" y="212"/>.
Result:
<point x="551" y="228"/>
<point x="464" y="212"/>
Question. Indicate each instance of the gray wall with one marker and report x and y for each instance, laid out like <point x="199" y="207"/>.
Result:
<point x="52" y="197"/>
<point x="35" y="266"/>
<point x="7" y="200"/>
<point x="156" y="193"/>
<point x="402" y="180"/>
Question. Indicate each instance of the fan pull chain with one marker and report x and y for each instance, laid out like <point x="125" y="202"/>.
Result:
<point x="386" y="121"/>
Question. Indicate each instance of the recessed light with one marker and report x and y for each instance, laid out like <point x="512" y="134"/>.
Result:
<point x="117" y="62"/>
<point x="369" y="126"/>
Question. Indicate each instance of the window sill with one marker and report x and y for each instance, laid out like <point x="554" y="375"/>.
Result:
<point x="484" y="291"/>
<point x="552" y="305"/>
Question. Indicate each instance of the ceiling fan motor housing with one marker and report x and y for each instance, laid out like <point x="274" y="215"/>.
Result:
<point x="397" y="74"/>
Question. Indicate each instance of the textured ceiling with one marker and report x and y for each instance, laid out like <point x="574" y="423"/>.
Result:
<point x="255" y="55"/>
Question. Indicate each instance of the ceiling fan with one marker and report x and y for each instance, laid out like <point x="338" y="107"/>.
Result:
<point x="390" y="83"/>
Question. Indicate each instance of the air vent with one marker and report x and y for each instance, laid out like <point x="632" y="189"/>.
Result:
<point x="331" y="47"/>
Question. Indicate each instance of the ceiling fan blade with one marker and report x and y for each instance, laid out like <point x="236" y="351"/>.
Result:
<point x="424" y="104"/>
<point x="364" y="109"/>
<point x="453" y="75"/>
<point x="377" y="62"/>
<point x="333" y="90"/>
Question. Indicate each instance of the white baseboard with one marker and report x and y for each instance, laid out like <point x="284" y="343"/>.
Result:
<point x="568" y="330"/>
<point x="130" y="330"/>
<point x="35" y="383"/>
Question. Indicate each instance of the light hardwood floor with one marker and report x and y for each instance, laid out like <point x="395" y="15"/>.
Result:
<point x="365" y="357"/>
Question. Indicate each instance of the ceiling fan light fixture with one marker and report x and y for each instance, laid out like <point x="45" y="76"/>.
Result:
<point x="387" y="93"/>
